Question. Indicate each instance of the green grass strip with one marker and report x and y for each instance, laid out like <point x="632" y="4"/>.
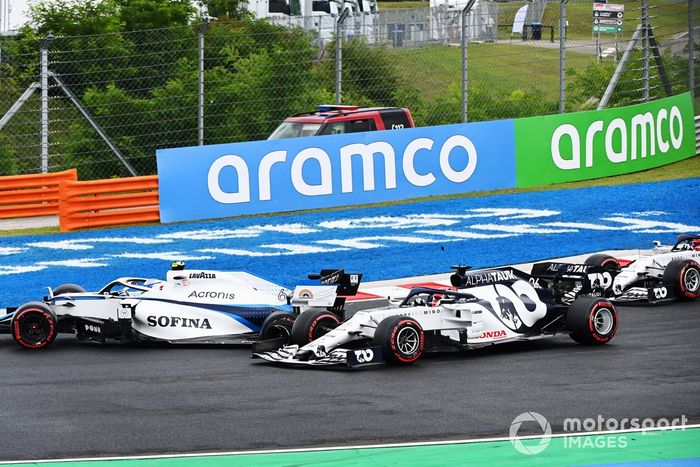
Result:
<point x="563" y="451"/>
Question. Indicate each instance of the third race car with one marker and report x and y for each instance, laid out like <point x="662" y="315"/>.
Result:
<point x="662" y="274"/>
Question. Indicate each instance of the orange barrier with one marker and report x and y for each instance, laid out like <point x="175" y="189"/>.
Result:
<point x="100" y="203"/>
<point x="32" y="195"/>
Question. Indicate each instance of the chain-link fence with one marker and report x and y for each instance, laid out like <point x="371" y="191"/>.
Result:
<point x="105" y="103"/>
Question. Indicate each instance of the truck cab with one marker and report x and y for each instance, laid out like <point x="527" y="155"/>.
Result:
<point x="340" y="119"/>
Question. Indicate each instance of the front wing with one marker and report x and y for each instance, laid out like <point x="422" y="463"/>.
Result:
<point x="647" y="295"/>
<point x="339" y="358"/>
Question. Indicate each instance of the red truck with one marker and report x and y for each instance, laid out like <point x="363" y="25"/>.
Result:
<point x="339" y="119"/>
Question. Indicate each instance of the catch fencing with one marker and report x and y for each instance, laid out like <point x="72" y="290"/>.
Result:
<point x="104" y="103"/>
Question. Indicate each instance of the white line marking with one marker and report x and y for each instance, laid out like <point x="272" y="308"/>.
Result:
<point x="346" y="448"/>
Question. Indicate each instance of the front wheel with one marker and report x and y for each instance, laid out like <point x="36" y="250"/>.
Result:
<point x="312" y="324"/>
<point x="684" y="276"/>
<point x="278" y="325"/>
<point x="401" y="339"/>
<point x="34" y="325"/>
<point x="591" y="321"/>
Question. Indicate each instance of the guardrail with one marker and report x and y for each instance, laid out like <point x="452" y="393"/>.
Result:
<point x="32" y="195"/>
<point x="100" y="203"/>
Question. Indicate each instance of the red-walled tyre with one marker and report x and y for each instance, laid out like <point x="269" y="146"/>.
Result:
<point x="312" y="324"/>
<point x="591" y="321"/>
<point x="34" y="326"/>
<point x="401" y="339"/>
<point x="684" y="276"/>
<point x="606" y="261"/>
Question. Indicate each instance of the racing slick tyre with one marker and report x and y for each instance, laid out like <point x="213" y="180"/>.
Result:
<point x="591" y="321"/>
<point x="684" y="276"/>
<point x="603" y="260"/>
<point x="401" y="339"/>
<point x="312" y="324"/>
<point x="68" y="288"/>
<point x="278" y="324"/>
<point x="34" y="325"/>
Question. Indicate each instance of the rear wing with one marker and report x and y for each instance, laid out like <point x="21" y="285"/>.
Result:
<point x="328" y="289"/>
<point x="591" y="278"/>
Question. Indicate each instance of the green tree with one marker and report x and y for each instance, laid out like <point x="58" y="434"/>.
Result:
<point x="137" y="15"/>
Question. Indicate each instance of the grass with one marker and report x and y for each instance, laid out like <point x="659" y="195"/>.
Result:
<point x="500" y="68"/>
<point x="408" y="4"/>
<point x="668" y="17"/>
<point x="689" y="168"/>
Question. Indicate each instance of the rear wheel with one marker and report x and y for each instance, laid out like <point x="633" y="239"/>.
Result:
<point x="684" y="276"/>
<point x="591" y="321"/>
<point x="68" y="288"/>
<point x="312" y="324"/>
<point x="401" y="339"/>
<point x="278" y="325"/>
<point x="605" y="261"/>
<point x="34" y="325"/>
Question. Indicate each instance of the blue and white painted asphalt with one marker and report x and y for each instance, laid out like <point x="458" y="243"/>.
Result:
<point x="383" y="242"/>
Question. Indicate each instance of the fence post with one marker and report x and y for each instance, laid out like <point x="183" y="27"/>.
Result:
<point x="691" y="50"/>
<point x="44" y="144"/>
<point x="562" y="55"/>
<point x="200" y="84"/>
<point x="645" y="49"/>
<point x="465" y="59"/>
<point x="339" y="56"/>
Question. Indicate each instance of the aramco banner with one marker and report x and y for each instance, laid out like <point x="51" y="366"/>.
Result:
<point x="208" y="182"/>
<point x="601" y="143"/>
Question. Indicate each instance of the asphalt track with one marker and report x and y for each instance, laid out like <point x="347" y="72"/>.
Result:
<point x="81" y="400"/>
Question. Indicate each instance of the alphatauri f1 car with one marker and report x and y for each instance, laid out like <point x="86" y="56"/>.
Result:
<point x="662" y="274"/>
<point x="483" y="308"/>
<point x="189" y="307"/>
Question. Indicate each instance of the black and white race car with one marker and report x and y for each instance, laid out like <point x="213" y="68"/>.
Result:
<point x="484" y="307"/>
<point x="662" y="274"/>
<point x="189" y="307"/>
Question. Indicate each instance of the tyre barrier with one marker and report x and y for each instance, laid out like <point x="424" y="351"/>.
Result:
<point x="32" y="195"/>
<point x="100" y="203"/>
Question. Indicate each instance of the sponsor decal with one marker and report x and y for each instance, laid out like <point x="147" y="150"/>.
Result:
<point x="364" y="356"/>
<point x="488" y="277"/>
<point x="493" y="334"/>
<point x="306" y="293"/>
<point x="340" y="170"/>
<point x="332" y="279"/>
<point x="212" y="294"/>
<point x="600" y="280"/>
<point x="585" y="145"/>
<point x="660" y="293"/>
<point x="177" y="322"/>
<point x="568" y="268"/>
<point x="645" y="125"/>
<point x="202" y="275"/>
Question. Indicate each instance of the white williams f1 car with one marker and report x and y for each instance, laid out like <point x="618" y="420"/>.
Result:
<point x="662" y="274"/>
<point x="486" y="307"/>
<point x="191" y="307"/>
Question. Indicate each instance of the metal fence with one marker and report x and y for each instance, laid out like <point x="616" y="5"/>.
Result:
<point x="105" y="103"/>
